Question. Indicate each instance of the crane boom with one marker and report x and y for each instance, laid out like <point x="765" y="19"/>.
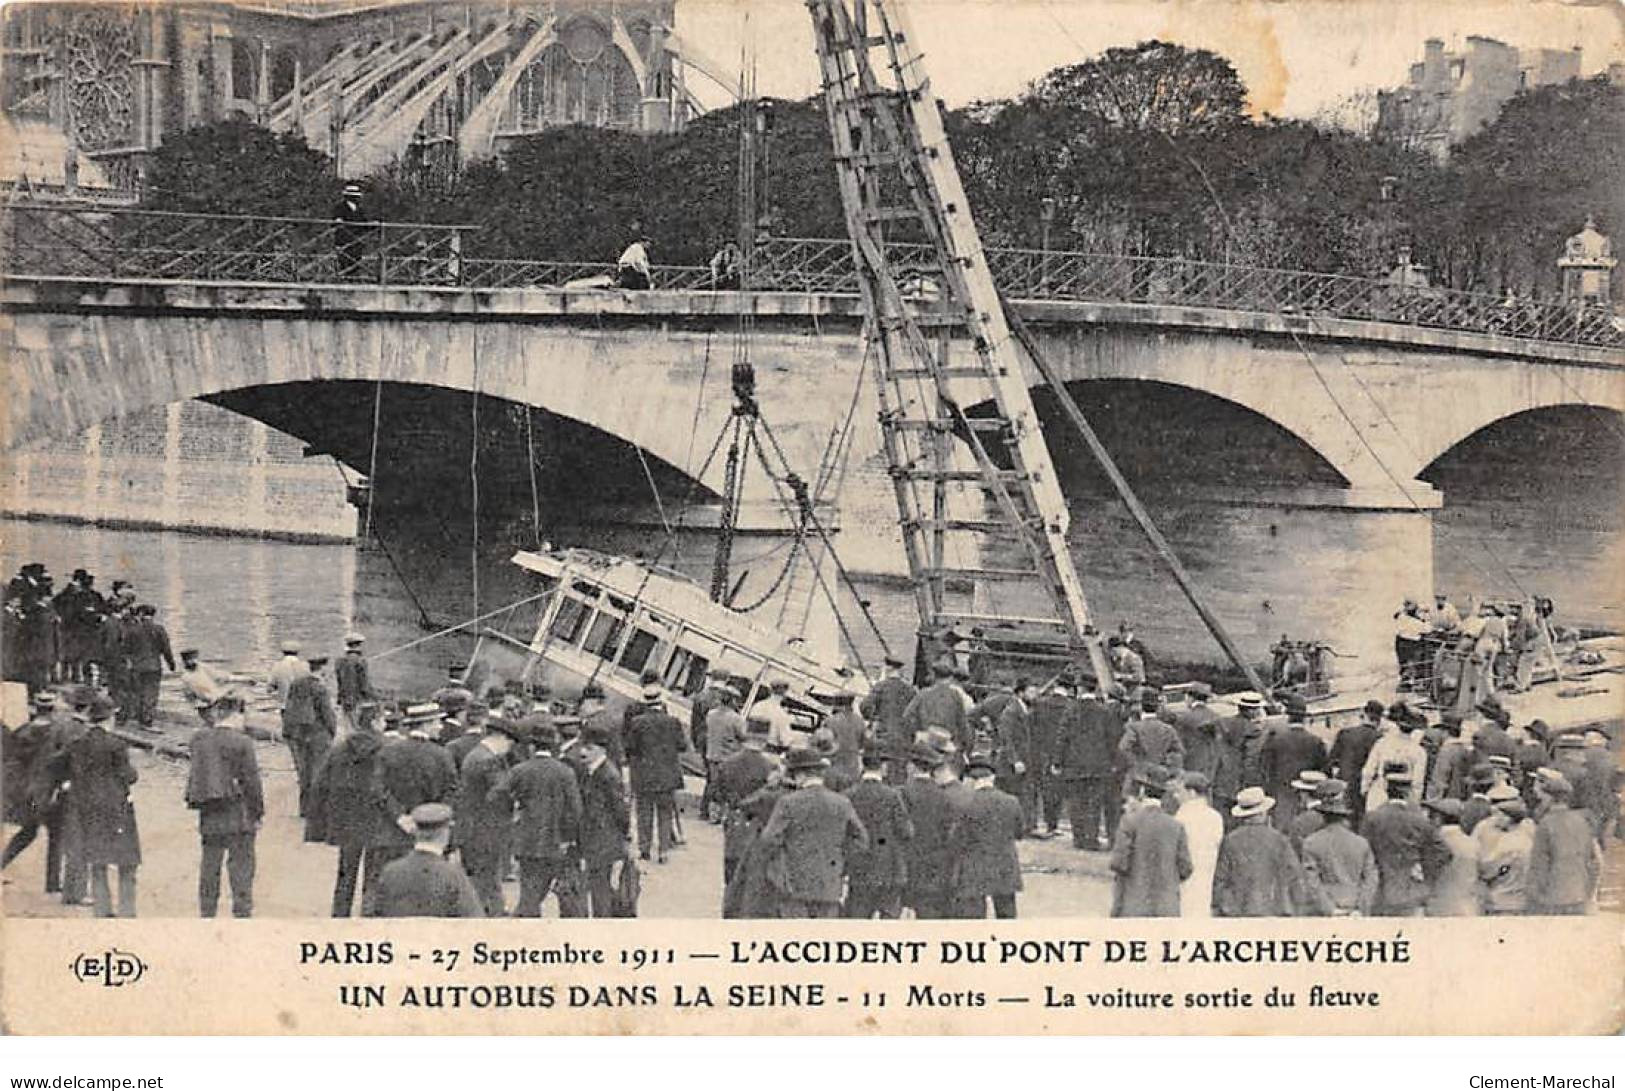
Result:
<point x="937" y="358"/>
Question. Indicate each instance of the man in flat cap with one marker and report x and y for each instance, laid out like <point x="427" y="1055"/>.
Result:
<point x="722" y="736"/>
<point x="883" y="707"/>
<point x="461" y="732"/>
<point x="845" y="730"/>
<point x="1015" y="772"/>
<point x="547" y="827"/>
<point x="1085" y="763"/>
<point x="1198" y="728"/>
<point x="416" y="769"/>
<point x="308" y="726"/>
<point x="816" y="831"/>
<point x="423" y="883"/>
<point x="351" y="678"/>
<point x="716" y="683"/>
<point x="1410" y="851"/>
<point x="1565" y="861"/>
<point x="223" y="785"/>
<point x="1340" y="870"/>
<point x="286" y="669"/>
<point x="1505" y="841"/>
<point x="1151" y="856"/>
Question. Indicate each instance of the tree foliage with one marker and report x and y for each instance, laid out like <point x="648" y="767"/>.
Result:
<point x="239" y="168"/>
<point x="1143" y="150"/>
<point x="1155" y="87"/>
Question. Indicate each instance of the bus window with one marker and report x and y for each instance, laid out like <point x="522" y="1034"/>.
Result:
<point x="677" y="670"/>
<point x="567" y="622"/>
<point x="694" y="680"/>
<point x="638" y="649"/>
<point x="604" y="636"/>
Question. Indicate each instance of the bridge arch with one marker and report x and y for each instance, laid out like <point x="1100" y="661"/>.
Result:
<point x="1161" y="431"/>
<point x="70" y="371"/>
<point x="1583" y="392"/>
<point x="437" y="431"/>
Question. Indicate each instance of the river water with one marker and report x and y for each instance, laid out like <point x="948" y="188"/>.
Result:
<point x="236" y="599"/>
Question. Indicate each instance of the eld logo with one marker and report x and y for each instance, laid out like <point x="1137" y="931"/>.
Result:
<point x="110" y="969"/>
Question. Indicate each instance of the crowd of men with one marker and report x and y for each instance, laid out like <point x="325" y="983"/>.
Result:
<point x="78" y="634"/>
<point x="900" y="798"/>
<point x="1463" y="654"/>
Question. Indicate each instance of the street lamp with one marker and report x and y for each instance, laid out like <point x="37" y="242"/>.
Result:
<point x="1046" y="219"/>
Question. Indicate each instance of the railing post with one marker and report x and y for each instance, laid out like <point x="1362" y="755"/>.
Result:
<point x="383" y="259"/>
<point x="457" y="255"/>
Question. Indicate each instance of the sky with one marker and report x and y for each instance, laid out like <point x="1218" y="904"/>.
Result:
<point x="1296" y="56"/>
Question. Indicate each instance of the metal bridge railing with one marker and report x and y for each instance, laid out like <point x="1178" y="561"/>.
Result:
<point x="136" y="244"/>
<point x="104" y="242"/>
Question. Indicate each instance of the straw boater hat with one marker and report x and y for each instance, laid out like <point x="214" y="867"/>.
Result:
<point x="353" y="640"/>
<point x="1252" y="801"/>
<point x="1309" y="780"/>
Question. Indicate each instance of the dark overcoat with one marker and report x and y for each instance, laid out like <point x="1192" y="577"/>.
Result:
<point x="1150" y="859"/>
<point x="548" y="802"/>
<point x="985" y="833"/>
<point x="101" y="774"/>
<point x="816" y="830"/>
<point x="881" y="809"/>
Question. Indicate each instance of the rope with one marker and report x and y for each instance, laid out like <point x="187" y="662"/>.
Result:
<point x="823" y="535"/>
<point x="372" y="460"/>
<point x="530" y="464"/>
<point x="473" y="471"/>
<point x="423" y="615"/>
<point x="437" y="634"/>
<point x="648" y="475"/>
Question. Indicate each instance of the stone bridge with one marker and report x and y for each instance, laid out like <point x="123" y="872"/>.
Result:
<point x="1273" y="417"/>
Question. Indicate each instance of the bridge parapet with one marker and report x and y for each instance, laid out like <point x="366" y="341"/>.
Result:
<point x="110" y="244"/>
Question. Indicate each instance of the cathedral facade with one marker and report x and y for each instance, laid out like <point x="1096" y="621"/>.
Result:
<point x="367" y="81"/>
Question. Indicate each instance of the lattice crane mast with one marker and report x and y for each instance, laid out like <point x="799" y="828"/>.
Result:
<point x="935" y="356"/>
